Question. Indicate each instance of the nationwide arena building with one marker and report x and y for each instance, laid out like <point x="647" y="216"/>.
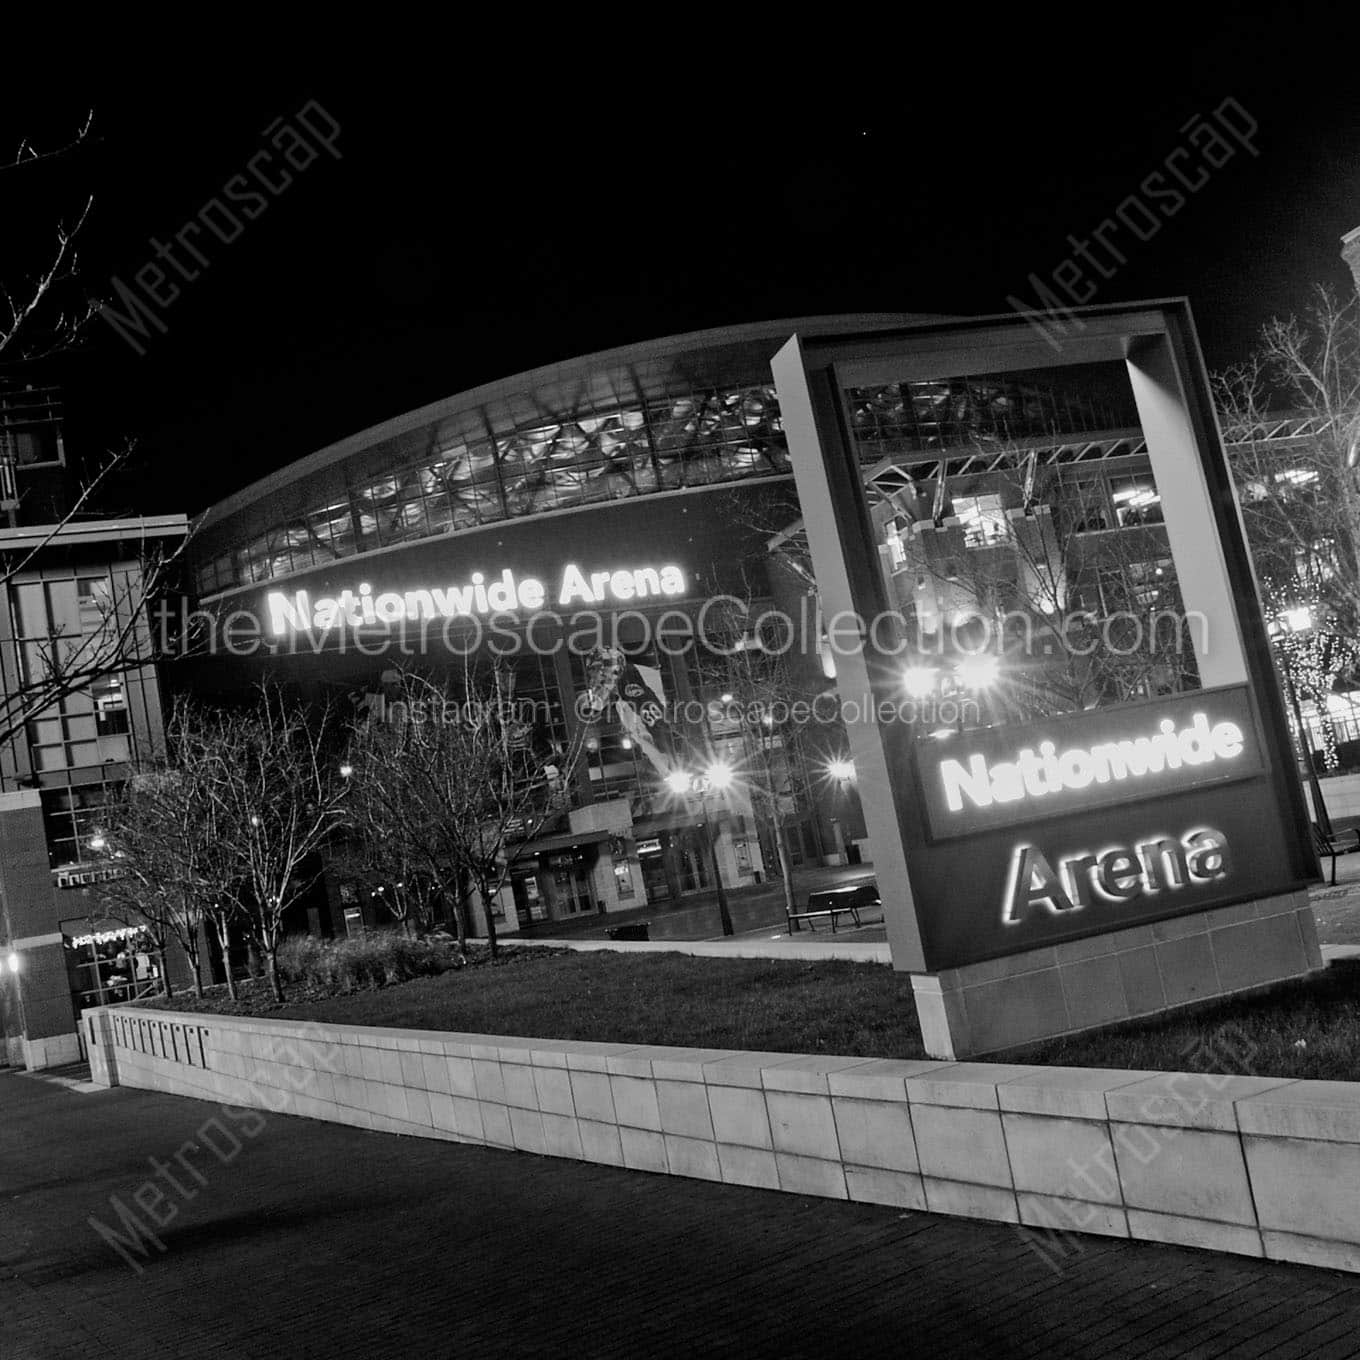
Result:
<point x="630" y="489"/>
<point x="609" y="502"/>
<point x="618" y="492"/>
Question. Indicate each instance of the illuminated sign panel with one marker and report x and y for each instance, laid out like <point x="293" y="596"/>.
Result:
<point x="363" y="606"/>
<point x="1005" y="775"/>
<point x="1119" y="874"/>
<point x="1090" y="823"/>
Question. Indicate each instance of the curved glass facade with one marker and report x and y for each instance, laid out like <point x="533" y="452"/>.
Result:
<point x="694" y="439"/>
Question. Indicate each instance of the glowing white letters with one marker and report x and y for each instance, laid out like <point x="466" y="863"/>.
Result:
<point x="1114" y="875"/>
<point x="362" y="608"/>
<point x="1037" y="774"/>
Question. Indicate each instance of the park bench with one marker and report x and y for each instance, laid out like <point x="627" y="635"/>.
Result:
<point x="834" y="902"/>
<point x="1335" y="845"/>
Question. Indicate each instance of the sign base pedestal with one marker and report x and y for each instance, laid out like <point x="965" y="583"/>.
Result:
<point x="1084" y="984"/>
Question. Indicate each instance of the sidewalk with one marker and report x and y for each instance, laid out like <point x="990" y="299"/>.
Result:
<point x="755" y="910"/>
<point x="761" y="930"/>
<point x="318" y="1240"/>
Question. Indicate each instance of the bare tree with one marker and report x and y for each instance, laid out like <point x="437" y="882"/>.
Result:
<point x="142" y="847"/>
<point x="455" y="775"/>
<point x="163" y="841"/>
<point x="40" y="315"/>
<point x="276" y="799"/>
<point x="1291" y="412"/>
<point x="116" y="636"/>
<point x="381" y="848"/>
<point x="772" y="707"/>
<point x="43" y="311"/>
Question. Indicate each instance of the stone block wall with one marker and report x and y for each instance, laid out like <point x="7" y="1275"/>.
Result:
<point x="1258" y="1166"/>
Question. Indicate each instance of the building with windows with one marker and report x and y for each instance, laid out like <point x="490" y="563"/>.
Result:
<point x="599" y="503"/>
<point x="79" y="700"/>
<point x="609" y="500"/>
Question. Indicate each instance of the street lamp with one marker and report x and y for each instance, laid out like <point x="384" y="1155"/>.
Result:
<point x="842" y="771"/>
<point x="719" y="776"/>
<point x="919" y="681"/>
<point x="978" y="672"/>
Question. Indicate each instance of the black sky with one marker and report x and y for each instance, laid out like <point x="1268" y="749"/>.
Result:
<point x="501" y="208"/>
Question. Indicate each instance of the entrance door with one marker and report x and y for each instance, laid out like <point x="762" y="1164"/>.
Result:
<point x="653" y="865"/>
<point x="571" y="884"/>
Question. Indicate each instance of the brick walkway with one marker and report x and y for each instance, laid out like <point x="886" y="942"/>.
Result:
<point x="318" y="1240"/>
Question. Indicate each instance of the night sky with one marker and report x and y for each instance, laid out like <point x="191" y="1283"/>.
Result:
<point x="493" y="212"/>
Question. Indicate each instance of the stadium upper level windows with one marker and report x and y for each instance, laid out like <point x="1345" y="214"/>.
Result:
<point x="694" y="438"/>
<point x="983" y="519"/>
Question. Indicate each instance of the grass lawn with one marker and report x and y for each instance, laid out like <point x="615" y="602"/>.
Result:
<point x="1301" y="1029"/>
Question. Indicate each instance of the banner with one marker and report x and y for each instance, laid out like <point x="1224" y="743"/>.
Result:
<point x="641" y="705"/>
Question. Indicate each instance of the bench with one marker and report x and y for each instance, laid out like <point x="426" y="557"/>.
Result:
<point x="832" y="903"/>
<point x="809" y="916"/>
<point x="1334" y="845"/>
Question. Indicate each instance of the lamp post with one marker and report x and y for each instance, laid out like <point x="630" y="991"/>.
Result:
<point x="842" y="771"/>
<point x="718" y="776"/>
<point x="976" y="674"/>
<point x="1301" y="621"/>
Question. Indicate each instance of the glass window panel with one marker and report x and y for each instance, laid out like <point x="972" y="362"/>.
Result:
<point x="81" y="729"/>
<point x="31" y="601"/>
<point x="37" y="658"/>
<point x="440" y="515"/>
<point x="368" y="527"/>
<point x="1136" y="500"/>
<point x="403" y="521"/>
<point x="259" y="560"/>
<point x="983" y="519"/>
<point x="79" y="701"/>
<point x="113" y="747"/>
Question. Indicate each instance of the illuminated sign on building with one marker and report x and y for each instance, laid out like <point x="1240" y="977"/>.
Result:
<point x="1118" y="874"/>
<point x="83" y="875"/>
<point x="1041" y="832"/>
<point x="1034" y="775"/>
<point x="367" y="608"/>
<point x="1006" y="775"/>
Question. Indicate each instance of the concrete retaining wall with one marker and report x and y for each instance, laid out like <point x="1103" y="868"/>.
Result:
<point x="1253" y="1165"/>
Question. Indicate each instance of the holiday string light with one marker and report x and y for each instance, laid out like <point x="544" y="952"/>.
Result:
<point x="1312" y="656"/>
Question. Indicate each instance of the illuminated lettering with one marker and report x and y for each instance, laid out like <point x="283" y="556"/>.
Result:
<point x="286" y="615"/>
<point x="365" y="607"/>
<point x="1033" y="882"/>
<point x="1118" y="874"/>
<point x="1032" y="775"/>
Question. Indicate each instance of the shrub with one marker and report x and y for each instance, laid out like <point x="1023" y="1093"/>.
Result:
<point x="360" y="962"/>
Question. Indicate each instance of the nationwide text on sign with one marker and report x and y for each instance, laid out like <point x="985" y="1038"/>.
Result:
<point x="367" y="608"/>
<point x="1035" y="773"/>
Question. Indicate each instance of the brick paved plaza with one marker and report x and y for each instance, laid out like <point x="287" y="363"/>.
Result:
<point x="323" y="1240"/>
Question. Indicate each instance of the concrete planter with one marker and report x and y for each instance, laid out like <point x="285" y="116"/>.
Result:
<point x="1254" y="1165"/>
